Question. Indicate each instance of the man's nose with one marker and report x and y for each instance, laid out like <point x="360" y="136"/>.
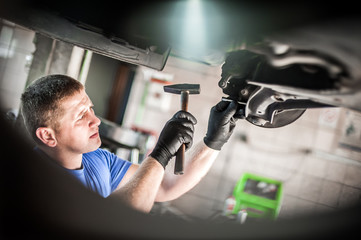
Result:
<point x="94" y="121"/>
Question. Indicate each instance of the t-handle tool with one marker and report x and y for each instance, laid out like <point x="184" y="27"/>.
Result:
<point x="184" y="90"/>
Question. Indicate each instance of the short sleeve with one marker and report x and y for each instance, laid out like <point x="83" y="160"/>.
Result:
<point x="118" y="168"/>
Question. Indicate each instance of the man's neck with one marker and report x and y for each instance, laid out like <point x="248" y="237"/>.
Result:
<point x="65" y="159"/>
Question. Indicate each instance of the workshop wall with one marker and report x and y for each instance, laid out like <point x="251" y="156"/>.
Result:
<point x="100" y="80"/>
<point x="16" y="47"/>
<point x="318" y="175"/>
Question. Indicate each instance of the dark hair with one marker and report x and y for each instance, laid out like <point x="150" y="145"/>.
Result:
<point x="39" y="102"/>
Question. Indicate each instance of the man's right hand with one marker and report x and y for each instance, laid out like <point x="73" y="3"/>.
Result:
<point x="221" y="124"/>
<point x="177" y="131"/>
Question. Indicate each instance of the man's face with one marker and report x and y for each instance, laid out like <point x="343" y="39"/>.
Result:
<point x="77" y="130"/>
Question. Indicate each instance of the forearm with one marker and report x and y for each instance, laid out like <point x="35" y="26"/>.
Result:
<point x="198" y="161"/>
<point x="140" y="191"/>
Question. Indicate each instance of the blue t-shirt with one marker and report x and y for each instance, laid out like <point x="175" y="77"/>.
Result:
<point x="101" y="171"/>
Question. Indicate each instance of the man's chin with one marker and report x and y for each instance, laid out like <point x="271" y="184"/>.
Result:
<point x="94" y="146"/>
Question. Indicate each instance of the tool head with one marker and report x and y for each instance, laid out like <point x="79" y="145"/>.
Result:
<point x="179" y="88"/>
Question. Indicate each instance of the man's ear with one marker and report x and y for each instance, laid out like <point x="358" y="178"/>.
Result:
<point x="47" y="136"/>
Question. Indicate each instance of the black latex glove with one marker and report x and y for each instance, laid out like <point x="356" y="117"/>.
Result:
<point x="178" y="130"/>
<point x="220" y="124"/>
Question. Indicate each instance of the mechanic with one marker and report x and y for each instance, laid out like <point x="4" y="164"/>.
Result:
<point x="59" y="116"/>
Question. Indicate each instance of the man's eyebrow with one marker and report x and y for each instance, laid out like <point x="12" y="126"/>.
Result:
<point x="81" y="113"/>
<point x="85" y="109"/>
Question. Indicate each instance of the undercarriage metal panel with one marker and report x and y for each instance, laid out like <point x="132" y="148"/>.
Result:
<point x="82" y="35"/>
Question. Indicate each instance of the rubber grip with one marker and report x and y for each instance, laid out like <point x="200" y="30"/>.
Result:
<point x="179" y="160"/>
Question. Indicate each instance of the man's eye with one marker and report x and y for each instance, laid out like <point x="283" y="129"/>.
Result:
<point x="81" y="116"/>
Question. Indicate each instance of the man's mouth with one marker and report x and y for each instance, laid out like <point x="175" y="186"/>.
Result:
<point x="95" y="135"/>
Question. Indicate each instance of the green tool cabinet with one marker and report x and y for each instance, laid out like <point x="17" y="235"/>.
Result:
<point x="260" y="197"/>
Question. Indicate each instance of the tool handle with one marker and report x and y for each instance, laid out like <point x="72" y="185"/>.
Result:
<point x="179" y="160"/>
